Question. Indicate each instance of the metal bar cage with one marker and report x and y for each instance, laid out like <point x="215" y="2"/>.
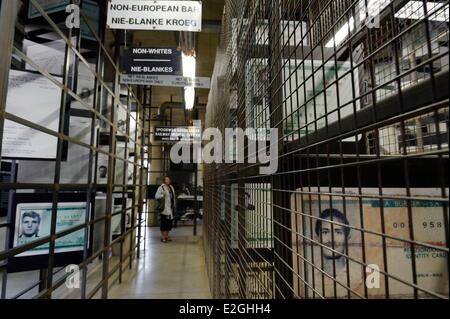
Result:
<point x="89" y="150"/>
<point x="358" y="208"/>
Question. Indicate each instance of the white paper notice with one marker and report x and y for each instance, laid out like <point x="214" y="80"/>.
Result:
<point x="166" y="80"/>
<point x="49" y="56"/>
<point x="36" y="99"/>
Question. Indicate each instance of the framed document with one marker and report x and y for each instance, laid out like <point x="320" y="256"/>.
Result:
<point x="35" y="98"/>
<point x="332" y="265"/>
<point x="31" y="221"/>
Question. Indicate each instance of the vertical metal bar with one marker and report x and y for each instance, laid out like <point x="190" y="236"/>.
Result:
<point x="195" y="166"/>
<point x="135" y="172"/>
<point x="282" y="255"/>
<point x="65" y="105"/>
<point x="8" y="229"/>
<point x="141" y="175"/>
<point x="111" y="179"/>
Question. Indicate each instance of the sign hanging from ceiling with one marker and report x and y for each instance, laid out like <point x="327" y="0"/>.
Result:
<point x="165" y="80"/>
<point x="151" y="60"/>
<point x="177" y="133"/>
<point x="155" y="15"/>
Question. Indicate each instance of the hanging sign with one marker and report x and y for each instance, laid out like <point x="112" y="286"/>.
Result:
<point x="151" y="60"/>
<point x="177" y="133"/>
<point x="165" y="80"/>
<point x="155" y="15"/>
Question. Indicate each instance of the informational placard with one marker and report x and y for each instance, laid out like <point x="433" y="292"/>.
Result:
<point x="85" y="87"/>
<point x="313" y="242"/>
<point x="151" y="60"/>
<point x="116" y="227"/>
<point x="155" y="15"/>
<point x="116" y="220"/>
<point x="166" y="80"/>
<point x="103" y="162"/>
<point x="176" y="133"/>
<point x="35" y="98"/>
<point x="102" y="165"/>
<point x="49" y="55"/>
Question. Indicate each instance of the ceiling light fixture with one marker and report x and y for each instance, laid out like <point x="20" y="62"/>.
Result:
<point x="189" y="65"/>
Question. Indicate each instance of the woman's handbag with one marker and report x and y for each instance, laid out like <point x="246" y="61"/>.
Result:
<point x="160" y="203"/>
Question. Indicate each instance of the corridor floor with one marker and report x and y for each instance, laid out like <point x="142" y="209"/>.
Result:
<point x="166" y="270"/>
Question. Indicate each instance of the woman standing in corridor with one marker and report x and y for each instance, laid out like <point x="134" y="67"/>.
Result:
<point x="166" y="193"/>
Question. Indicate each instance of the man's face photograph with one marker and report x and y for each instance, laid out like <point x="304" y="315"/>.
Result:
<point x="30" y="226"/>
<point x="333" y="236"/>
<point x="102" y="171"/>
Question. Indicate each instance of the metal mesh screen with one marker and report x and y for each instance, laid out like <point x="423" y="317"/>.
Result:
<point x="358" y="208"/>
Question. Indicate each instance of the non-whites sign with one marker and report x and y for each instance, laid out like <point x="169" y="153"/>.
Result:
<point x="165" y="80"/>
<point x="151" y="60"/>
<point x="155" y="15"/>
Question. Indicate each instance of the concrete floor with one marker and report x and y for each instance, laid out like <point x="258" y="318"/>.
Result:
<point x="164" y="271"/>
<point x="167" y="270"/>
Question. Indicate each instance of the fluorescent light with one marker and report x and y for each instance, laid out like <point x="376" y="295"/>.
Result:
<point x="342" y="33"/>
<point x="189" y="64"/>
<point x="189" y="97"/>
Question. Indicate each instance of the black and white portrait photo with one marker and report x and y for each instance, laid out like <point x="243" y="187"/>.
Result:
<point x="334" y="235"/>
<point x="29" y="224"/>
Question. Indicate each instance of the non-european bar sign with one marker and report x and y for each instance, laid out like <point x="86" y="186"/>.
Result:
<point x="151" y="60"/>
<point x="177" y="133"/>
<point x="155" y="15"/>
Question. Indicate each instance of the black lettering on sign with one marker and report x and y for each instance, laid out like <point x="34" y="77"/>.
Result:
<point x="119" y="7"/>
<point x="189" y="9"/>
<point x="181" y="22"/>
<point x="119" y="20"/>
<point x="151" y="61"/>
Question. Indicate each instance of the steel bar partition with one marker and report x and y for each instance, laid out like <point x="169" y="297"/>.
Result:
<point x="100" y="123"/>
<point x="358" y="208"/>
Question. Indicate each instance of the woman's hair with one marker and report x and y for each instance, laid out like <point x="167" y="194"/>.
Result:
<point x="167" y="176"/>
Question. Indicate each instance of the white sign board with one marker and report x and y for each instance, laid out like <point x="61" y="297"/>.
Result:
<point x="166" y="80"/>
<point x="35" y="98"/>
<point x="155" y="15"/>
